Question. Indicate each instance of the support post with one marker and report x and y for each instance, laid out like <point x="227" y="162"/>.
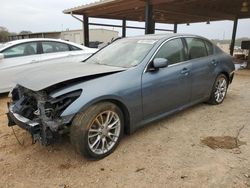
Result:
<point x="124" y="28"/>
<point x="248" y="60"/>
<point x="175" y="27"/>
<point x="86" y="30"/>
<point x="233" y="36"/>
<point x="149" y="21"/>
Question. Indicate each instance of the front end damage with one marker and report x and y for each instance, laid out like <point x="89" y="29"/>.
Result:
<point x="40" y="114"/>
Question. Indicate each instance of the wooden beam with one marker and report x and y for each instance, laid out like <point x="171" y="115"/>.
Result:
<point x="196" y="12"/>
<point x="120" y="7"/>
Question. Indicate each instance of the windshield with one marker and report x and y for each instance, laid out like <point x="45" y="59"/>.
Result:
<point x="123" y="53"/>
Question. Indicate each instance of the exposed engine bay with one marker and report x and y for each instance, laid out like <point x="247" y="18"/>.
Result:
<point x="40" y="114"/>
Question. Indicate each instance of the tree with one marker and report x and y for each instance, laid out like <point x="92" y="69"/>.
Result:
<point x="3" y="28"/>
<point x="4" y="33"/>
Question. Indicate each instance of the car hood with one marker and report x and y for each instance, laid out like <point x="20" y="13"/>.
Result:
<point x="37" y="79"/>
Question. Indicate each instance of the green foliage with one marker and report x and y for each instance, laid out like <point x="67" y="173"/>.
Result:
<point x="4" y="33"/>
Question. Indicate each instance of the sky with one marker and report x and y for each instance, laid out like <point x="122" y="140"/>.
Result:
<point x="46" y="15"/>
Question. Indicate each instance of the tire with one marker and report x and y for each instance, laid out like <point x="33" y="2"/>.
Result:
<point x="219" y="90"/>
<point x="96" y="132"/>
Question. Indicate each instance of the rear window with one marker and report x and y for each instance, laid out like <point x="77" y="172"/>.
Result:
<point x="196" y="48"/>
<point x="74" y="48"/>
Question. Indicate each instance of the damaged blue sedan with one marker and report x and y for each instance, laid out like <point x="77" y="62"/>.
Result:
<point x="124" y="86"/>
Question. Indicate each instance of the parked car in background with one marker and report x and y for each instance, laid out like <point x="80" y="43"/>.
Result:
<point x="125" y="85"/>
<point x="17" y="56"/>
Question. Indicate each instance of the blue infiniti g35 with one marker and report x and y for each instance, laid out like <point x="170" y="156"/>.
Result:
<point x="124" y="86"/>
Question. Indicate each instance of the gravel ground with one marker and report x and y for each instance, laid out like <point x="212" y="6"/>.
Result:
<point x="168" y="153"/>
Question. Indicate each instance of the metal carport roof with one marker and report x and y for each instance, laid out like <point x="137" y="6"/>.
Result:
<point x="164" y="11"/>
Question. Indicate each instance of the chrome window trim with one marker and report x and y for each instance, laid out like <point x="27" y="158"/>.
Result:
<point x="156" y="51"/>
<point x="172" y="38"/>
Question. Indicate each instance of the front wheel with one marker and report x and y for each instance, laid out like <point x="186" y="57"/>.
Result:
<point x="219" y="90"/>
<point x="96" y="132"/>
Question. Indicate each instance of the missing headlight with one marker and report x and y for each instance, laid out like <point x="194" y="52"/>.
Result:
<point x="56" y="107"/>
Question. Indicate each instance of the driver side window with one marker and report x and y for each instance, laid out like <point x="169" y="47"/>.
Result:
<point x="19" y="50"/>
<point x="173" y="51"/>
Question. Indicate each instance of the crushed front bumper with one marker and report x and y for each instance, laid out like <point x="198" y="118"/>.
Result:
<point x="24" y="123"/>
<point x="39" y="130"/>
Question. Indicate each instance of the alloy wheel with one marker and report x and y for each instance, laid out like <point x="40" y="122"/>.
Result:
<point x="104" y="132"/>
<point x="221" y="89"/>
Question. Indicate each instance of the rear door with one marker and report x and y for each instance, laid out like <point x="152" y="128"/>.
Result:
<point x="52" y="50"/>
<point x="168" y="88"/>
<point x="203" y="64"/>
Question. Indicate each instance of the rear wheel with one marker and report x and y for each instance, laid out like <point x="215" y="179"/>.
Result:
<point x="219" y="90"/>
<point x="96" y="132"/>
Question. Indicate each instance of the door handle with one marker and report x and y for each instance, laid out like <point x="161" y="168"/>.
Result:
<point x="214" y="62"/>
<point x="185" y="71"/>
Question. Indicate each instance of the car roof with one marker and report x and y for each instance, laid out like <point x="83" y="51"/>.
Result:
<point x="163" y="36"/>
<point x="20" y="41"/>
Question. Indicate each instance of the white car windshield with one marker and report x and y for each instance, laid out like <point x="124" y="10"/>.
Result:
<point x="123" y="53"/>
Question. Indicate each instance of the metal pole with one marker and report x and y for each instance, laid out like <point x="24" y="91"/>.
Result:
<point x="175" y="27"/>
<point x="233" y="36"/>
<point x="86" y="30"/>
<point x="248" y="59"/>
<point x="124" y="28"/>
<point x="153" y="27"/>
<point x="149" y="22"/>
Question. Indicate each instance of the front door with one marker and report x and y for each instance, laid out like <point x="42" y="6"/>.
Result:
<point x="55" y="51"/>
<point x="168" y="88"/>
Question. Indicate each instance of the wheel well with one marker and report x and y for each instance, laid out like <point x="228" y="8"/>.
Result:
<point x="227" y="75"/>
<point x="124" y="111"/>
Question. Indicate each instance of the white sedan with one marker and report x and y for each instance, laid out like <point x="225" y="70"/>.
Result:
<point x="17" y="56"/>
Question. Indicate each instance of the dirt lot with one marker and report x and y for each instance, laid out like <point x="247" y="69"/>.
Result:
<point x="168" y="153"/>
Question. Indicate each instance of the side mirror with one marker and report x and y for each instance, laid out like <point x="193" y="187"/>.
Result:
<point x="160" y="63"/>
<point x="1" y="56"/>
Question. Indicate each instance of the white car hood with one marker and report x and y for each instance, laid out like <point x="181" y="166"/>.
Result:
<point x="43" y="77"/>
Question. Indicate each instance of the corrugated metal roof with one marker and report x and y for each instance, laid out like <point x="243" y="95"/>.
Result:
<point x="88" y="5"/>
<point x="165" y="11"/>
